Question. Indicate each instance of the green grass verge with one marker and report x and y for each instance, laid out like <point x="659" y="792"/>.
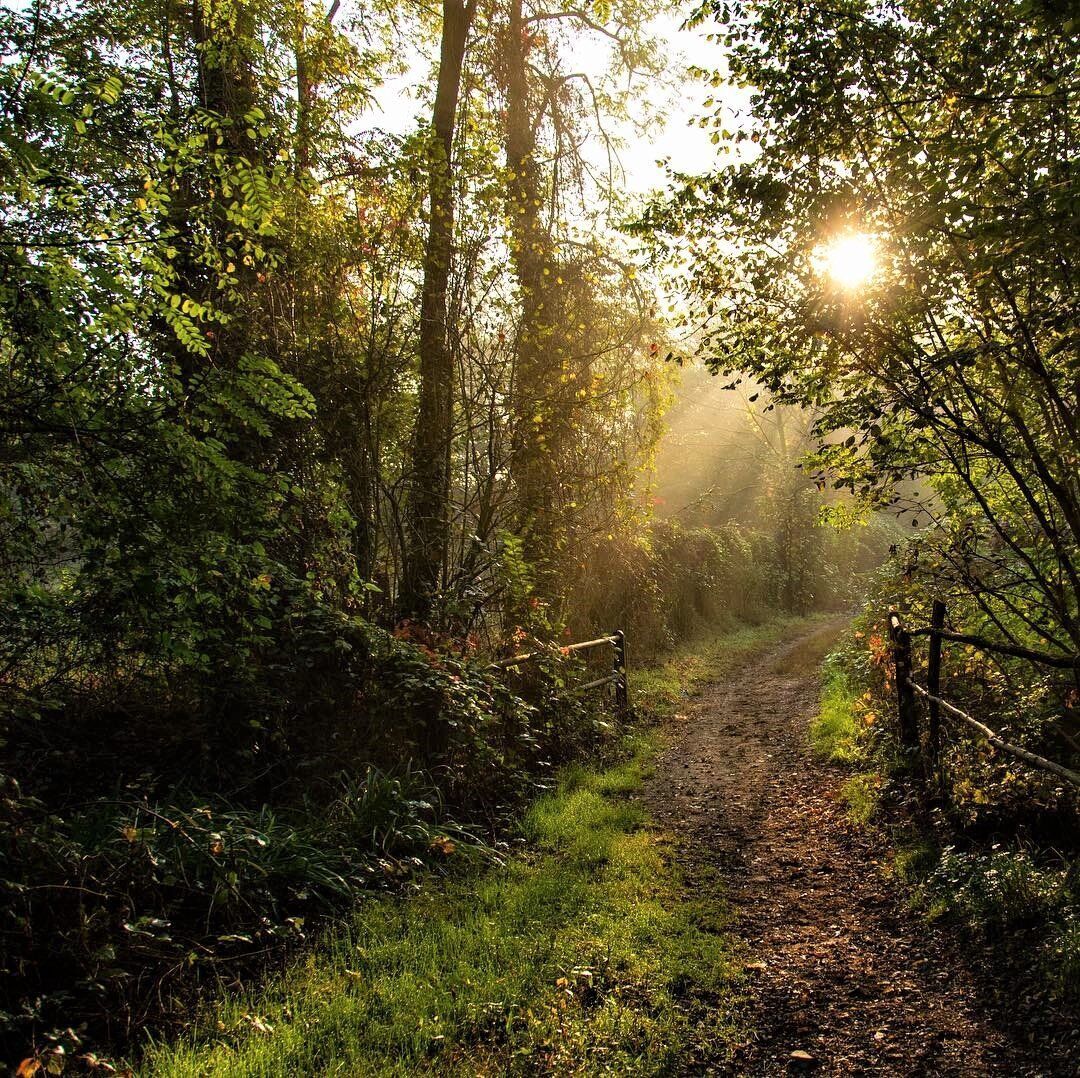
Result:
<point x="584" y="956"/>
<point x="862" y="794"/>
<point x="839" y="735"/>
<point x="835" y="732"/>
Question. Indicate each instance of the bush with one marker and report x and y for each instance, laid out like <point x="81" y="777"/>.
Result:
<point x="1009" y="870"/>
<point x="675" y="582"/>
<point x="999" y="891"/>
<point x="101" y="903"/>
<point x="1018" y="896"/>
<point x="116" y="897"/>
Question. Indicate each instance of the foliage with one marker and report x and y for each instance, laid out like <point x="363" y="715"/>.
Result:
<point x="1013" y="894"/>
<point x="937" y="130"/>
<point x="997" y="853"/>
<point x="208" y="357"/>
<point x="585" y="953"/>
<point x="1030" y="705"/>
<point x="674" y="583"/>
<point x="101" y="900"/>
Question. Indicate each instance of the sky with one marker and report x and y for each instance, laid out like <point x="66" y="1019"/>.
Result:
<point x="674" y="136"/>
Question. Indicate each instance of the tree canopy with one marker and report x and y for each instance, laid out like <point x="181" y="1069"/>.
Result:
<point x="945" y="135"/>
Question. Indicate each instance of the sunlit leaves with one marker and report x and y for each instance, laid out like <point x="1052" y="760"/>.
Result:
<point x="942" y="131"/>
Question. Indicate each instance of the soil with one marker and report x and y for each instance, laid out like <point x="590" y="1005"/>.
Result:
<point x="842" y="976"/>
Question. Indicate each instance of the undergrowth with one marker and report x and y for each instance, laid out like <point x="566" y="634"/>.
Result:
<point x="1015" y="895"/>
<point x="835" y="733"/>
<point x="843" y="733"/>
<point x="582" y="954"/>
<point x="1021" y="895"/>
<point x="176" y="892"/>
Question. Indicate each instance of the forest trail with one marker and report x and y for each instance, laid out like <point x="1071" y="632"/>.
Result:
<point x="840" y="971"/>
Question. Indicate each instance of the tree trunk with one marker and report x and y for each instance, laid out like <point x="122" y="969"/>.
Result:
<point x="532" y="255"/>
<point x="427" y="524"/>
<point x="227" y="88"/>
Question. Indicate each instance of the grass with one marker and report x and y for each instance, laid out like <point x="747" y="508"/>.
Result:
<point x="835" y="733"/>
<point x="583" y="954"/>
<point x="839" y="735"/>
<point x="861" y="794"/>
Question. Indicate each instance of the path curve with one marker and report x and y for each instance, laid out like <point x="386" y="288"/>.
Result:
<point x="840" y="972"/>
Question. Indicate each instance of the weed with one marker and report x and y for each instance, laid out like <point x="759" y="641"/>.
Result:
<point x="861" y="794"/>
<point x="1061" y="954"/>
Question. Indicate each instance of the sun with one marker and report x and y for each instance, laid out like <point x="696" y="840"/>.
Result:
<point x="849" y="259"/>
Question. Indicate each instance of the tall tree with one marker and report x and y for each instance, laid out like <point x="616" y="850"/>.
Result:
<point x="428" y="527"/>
<point x="552" y="107"/>
<point x="531" y="251"/>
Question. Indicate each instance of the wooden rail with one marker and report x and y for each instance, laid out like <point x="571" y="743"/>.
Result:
<point x="907" y="688"/>
<point x="617" y="677"/>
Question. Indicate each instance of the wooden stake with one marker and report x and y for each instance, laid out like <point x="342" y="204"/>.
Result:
<point x="905" y="698"/>
<point x="933" y="683"/>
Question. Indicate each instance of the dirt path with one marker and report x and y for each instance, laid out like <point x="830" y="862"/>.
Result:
<point x="840" y="969"/>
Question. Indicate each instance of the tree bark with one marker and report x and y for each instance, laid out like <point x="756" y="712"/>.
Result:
<point x="427" y="523"/>
<point x="532" y="255"/>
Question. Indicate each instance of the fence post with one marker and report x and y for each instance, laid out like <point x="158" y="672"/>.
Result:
<point x="905" y="697"/>
<point x="622" y="702"/>
<point x="933" y="685"/>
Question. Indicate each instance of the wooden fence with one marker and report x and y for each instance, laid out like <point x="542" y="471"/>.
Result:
<point x="909" y="691"/>
<point x="617" y="677"/>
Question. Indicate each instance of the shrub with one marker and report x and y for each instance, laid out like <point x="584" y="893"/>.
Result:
<point x="1014" y="895"/>
<point x="98" y="903"/>
<point x="999" y="891"/>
